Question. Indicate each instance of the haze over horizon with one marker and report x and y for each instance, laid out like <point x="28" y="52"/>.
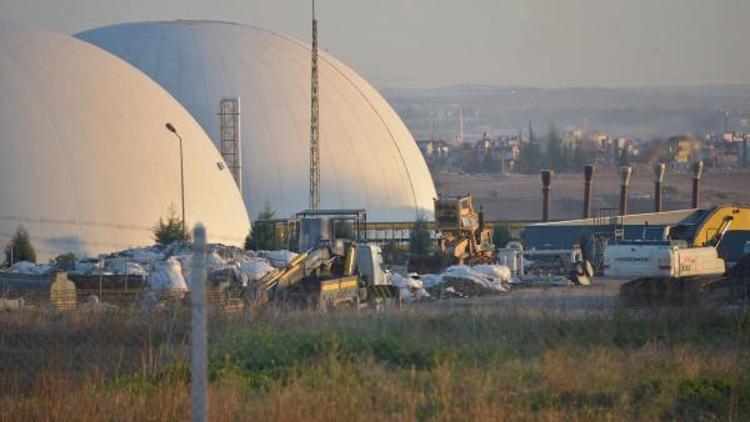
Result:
<point x="436" y="43"/>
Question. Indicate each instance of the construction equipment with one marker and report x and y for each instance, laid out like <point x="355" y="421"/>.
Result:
<point x="330" y="272"/>
<point x="463" y="238"/>
<point x="683" y="261"/>
<point x="546" y="267"/>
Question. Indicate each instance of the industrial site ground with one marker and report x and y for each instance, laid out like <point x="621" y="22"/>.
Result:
<point x="519" y="197"/>
<point x="551" y="354"/>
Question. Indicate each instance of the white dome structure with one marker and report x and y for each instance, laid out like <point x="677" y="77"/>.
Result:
<point x="368" y="157"/>
<point x="86" y="163"/>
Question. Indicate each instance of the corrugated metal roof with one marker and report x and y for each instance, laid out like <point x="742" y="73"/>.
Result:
<point x="653" y="218"/>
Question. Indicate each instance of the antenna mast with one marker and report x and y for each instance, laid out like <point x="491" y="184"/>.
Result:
<point x="314" y="122"/>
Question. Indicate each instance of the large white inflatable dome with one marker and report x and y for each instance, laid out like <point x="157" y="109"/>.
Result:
<point x="368" y="157"/>
<point x="86" y="164"/>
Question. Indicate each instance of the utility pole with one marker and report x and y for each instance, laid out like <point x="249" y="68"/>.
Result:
<point x="172" y="129"/>
<point x="314" y="121"/>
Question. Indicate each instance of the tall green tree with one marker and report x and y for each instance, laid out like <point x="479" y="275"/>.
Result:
<point x="20" y="248"/>
<point x="501" y="235"/>
<point x="555" y="159"/>
<point x="420" y="239"/>
<point x="263" y="236"/>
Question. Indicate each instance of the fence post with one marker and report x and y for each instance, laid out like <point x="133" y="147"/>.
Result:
<point x="199" y="354"/>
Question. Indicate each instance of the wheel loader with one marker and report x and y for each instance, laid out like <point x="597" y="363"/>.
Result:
<point x="463" y="238"/>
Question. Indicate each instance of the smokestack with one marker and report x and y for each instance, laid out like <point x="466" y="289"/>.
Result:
<point x="658" y="186"/>
<point x="625" y="172"/>
<point x="744" y="151"/>
<point x="546" y="182"/>
<point x="697" y="173"/>
<point x="588" y="174"/>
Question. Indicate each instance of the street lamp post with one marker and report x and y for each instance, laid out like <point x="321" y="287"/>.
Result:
<point x="172" y="129"/>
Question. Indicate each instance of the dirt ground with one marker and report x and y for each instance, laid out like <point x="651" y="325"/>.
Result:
<point x="519" y="197"/>
<point x="601" y="297"/>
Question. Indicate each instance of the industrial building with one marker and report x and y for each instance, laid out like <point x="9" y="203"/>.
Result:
<point x="86" y="163"/>
<point x="368" y="158"/>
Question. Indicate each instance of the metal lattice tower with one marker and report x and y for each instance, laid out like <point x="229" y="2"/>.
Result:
<point x="229" y="134"/>
<point x="314" y="122"/>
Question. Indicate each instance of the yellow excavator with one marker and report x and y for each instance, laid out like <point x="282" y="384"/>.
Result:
<point x="701" y="257"/>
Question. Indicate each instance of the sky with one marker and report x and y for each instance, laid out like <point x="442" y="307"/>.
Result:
<point x="434" y="43"/>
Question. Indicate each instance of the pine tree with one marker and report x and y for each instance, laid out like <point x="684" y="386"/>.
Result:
<point x="20" y="248"/>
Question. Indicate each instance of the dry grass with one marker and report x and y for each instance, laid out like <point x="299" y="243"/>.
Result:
<point x="423" y="365"/>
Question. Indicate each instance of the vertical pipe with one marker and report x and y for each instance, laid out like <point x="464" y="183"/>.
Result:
<point x="546" y="181"/>
<point x="625" y="172"/>
<point x="659" y="186"/>
<point x="198" y="351"/>
<point x="588" y="175"/>
<point x="697" y="173"/>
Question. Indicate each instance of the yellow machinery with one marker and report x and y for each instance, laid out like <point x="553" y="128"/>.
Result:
<point x="463" y="237"/>
<point x="723" y="228"/>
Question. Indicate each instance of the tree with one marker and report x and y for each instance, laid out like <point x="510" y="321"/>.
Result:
<point x="530" y="159"/>
<point x="501" y="236"/>
<point x="555" y="159"/>
<point x="343" y="230"/>
<point x="20" y="248"/>
<point x="263" y="236"/>
<point x="170" y="230"/>
<point x="420" y="239"/>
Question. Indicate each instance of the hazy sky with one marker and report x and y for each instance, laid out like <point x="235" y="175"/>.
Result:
<point x="427" y="43"/>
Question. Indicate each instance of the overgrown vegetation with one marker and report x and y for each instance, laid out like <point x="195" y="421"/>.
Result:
<point x="20" y="248"/>
<point x="433" y="363"/>
<point x="171" y="230"/>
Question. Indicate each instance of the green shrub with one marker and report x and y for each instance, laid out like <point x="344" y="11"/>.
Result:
<point x="170" y="230"/>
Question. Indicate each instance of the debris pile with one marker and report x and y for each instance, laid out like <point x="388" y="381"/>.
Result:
<point x="167" y="268"/>
<point x="454" y="281"/>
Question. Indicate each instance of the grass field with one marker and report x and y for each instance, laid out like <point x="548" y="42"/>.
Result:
<point x="413" y="364"/>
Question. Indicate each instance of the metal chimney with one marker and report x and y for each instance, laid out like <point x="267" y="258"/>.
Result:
<point x="697" y="173"/>
<point x="588" y="174"/>
<point x="625" y="172"/>
<point x="659" y="186"/>
<point x="546" y="182"/>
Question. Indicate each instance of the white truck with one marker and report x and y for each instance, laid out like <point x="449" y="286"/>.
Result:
<point x="639" y="258"/>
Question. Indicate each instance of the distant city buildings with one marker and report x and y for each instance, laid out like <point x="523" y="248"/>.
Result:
<point x="574" y="147"/>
